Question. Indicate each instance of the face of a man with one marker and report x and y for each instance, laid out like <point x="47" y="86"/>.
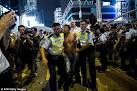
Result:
<point x="83" y="25"/>
<point x="34" y="32"/>
<point x="57" y="29"/>
<point x="72" y="24"/>
<point x="21" y="30"/>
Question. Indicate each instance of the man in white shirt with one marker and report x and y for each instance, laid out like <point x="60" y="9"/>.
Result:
<point x="73" y="26"/>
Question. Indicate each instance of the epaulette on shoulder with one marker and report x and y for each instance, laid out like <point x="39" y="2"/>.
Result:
<point x="88" y="31"/>
<point x="50" y="35"/>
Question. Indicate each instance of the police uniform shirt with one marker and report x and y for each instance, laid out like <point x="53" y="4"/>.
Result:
<point x="54" y="44"/>
<point x="45" y="42"/>
<point x="90" y="36"/>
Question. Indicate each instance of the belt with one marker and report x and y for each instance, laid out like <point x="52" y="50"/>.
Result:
<point x="56" y="56"/>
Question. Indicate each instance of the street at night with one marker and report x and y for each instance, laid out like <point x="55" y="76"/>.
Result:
<point x="68" y="45"/>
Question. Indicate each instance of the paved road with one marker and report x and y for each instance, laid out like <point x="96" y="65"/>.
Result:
<point x="111" y="80"/>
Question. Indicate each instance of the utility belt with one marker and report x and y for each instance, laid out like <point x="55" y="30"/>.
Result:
<point x="55" y="57"/>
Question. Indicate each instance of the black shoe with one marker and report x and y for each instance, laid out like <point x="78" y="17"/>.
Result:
<point x="77" y="81"/>
<point x="101" y="70"/>
<point x="94" y="89"/>
<point x="85" y="84"/>
<point x="66" y="88"/>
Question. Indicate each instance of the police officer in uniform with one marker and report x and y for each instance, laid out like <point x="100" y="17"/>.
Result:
<point x="55" y="51"/>
<point x="86" y="52"/>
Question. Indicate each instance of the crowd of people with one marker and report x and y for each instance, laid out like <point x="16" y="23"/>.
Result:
<point x="70" y="49"/>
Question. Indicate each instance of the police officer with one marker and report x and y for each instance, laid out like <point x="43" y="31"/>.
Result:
<point x="86" y="52"/>
<point x="54" y="50"/>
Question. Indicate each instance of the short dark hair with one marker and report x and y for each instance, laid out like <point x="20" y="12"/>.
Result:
<point x="84" y="20"/>
<point x="45" y="32"/>
<point x="34" y="29"/>
<point x="41" y="30"/>
<point x="67" y="26"/>
<point x="21" y="26"/>
<point x="55" y="24"/>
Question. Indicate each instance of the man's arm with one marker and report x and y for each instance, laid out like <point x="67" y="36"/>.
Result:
<point x="44" y="59"/>
<point x="43" y="46"/>
<point x="30" y="41"/>
<point x="5" y="22"/>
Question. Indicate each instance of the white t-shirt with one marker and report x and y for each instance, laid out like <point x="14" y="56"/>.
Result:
<point x="4" y="64"/>
<point x="130" y="34"/>
<point x="75" y="30"/>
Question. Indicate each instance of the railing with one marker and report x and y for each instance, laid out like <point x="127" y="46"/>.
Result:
<point x="123" y="15"/>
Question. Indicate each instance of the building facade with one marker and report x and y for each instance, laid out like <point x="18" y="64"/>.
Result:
<point x="58" y="15"/>
<point x="76" y="10"/>
<point x="108" y="10"/>
<point x="82" y="9"/>
<point x="124" y="9"/>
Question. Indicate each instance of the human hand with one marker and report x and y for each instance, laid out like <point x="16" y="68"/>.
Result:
<point x="77" y="49"/>
<point x="44" y="61"/>
<point x="6" y="21"/>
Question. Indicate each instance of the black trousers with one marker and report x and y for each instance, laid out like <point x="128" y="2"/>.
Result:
<point x="87" y="55"/>
<point x="58" y="61"/>
<point x="103" y="57"/>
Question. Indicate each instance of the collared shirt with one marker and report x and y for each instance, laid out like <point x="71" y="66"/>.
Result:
<point x="45" y="42"/>
<point x="87" y="37"/>
<point x="107" y="33"/>
<point x="54" y="44"/>
<point x="131" y="33"/>
<point x="75" y="30"/>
